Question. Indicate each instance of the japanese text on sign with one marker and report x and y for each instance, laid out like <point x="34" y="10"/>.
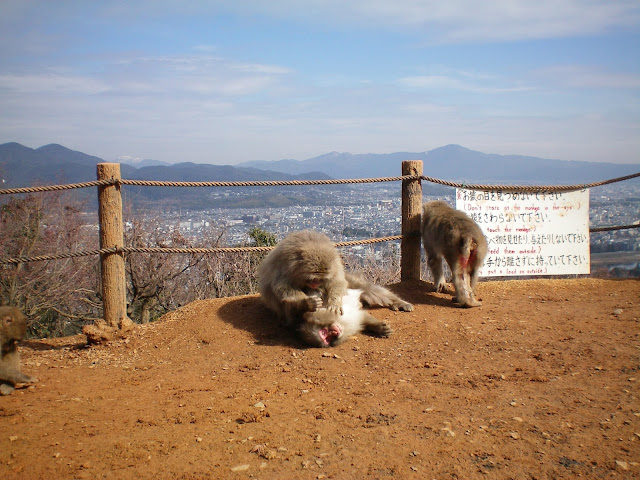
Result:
<point x="539" y="233"/>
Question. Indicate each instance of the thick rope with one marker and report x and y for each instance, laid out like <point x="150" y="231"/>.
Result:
<point x="270" y="183"/>
<point x="59" y="256"/>
<point x="529" y="188"/>
<point x="191" y="250"/>
<point x="52" y="188"/>
<point x="610" y="229"/>
<point x="158" y="183"/>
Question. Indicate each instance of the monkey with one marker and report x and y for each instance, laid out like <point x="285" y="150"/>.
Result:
<point x="323" y="328"/>
<point x="451" y="234"/>
<point x="304" y="260"/>
<point x="13" y="327"/>
<point x="304" y="272"/>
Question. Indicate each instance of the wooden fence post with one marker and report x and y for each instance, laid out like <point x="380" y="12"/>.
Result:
<point x="114" y="293"/>
<point x="411" y="214"/>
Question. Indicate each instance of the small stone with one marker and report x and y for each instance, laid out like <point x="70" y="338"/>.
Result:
<point x="240" y="468"/>
<point x="515" y="435"/>
<point x="617" y="311"/>
<point x="447" y="429"/>
<point x="259" y="405"/>
<point x="13" y="438"/>
<point x="269" y="454"/>
<point x="622" y="465"/>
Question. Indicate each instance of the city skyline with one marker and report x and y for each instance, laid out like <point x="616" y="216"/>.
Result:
<point x="216" y="82"/>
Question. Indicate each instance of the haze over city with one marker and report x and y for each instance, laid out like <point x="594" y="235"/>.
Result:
<point x="227" y="82"/>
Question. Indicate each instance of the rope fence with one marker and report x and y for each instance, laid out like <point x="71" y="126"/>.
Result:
<point x="55" y="188"/>
<point x="280" y="183"/>
<point x="529" y="188"/>
<point x="196" y="250"/>
<point x="111" y="233"/>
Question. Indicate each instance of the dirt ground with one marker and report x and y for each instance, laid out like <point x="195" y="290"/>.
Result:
<point x="541" y="382"/>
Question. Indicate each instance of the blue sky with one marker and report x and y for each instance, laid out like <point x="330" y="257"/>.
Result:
<point x="225" y="82"/>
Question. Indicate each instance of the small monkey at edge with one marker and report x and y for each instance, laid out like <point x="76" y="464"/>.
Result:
<point x="451" y="234"/>
<point x="13" y="327"/>
<point x="305" y="273"/>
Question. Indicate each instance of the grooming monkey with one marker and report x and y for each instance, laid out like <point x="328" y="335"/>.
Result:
<point x="451" y="234"/>
<point x="13" y="327"/>
<point x="305" y="273"/>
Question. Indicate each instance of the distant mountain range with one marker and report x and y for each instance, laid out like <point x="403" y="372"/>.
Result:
<point x="455" y="163"/>
<point x="21" y="166"/>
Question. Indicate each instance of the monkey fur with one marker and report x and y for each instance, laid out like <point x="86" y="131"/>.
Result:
<point x="304" y="273"/>
<point x="13" y="328"/>
<point x="451" y="234"/>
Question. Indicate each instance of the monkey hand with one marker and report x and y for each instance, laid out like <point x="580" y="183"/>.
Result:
<point x="314" y="302"/>
<point x="335" y="309"/>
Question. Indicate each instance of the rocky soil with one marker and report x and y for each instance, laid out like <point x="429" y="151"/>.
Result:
<point x="541" y="382"/>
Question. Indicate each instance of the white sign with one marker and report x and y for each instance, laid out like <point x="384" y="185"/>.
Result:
<point x="539" y="233"/>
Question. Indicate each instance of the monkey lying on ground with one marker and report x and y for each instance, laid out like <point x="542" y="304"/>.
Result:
<point x="323" y="328"/>
<point x="451" y="234"/>
<point x="304" y="273"/>
<point x="13" y="327"/>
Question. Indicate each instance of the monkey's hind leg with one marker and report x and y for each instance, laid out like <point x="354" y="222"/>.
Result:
<point x="376" y="295"/>
<point x="462" y="283"/>
<point x="375" y="327"/>
<point x="437" y="272"/>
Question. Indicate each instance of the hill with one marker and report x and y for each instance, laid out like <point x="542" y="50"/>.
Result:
<point x="21" y="166"/>
<point x="540" y="382"/>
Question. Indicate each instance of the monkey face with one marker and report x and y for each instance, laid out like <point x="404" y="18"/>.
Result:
<point x="13" y="324"/>
<point x="320" y="329"/>
<point x="330" y="335"/>
<point x="313" y="283"/>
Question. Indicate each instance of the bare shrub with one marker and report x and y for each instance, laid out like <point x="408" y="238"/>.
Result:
<point x="60" y="296"/>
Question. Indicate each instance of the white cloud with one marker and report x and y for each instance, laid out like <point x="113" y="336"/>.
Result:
<point x="451" y="20"/>
<point x="201" y="74"/>
<point x="581" y="76"/>
<point x="451" y="83"/>
<point x="52" y="83"/>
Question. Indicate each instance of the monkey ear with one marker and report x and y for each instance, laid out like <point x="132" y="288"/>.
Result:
<point x="7" y="320"/>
